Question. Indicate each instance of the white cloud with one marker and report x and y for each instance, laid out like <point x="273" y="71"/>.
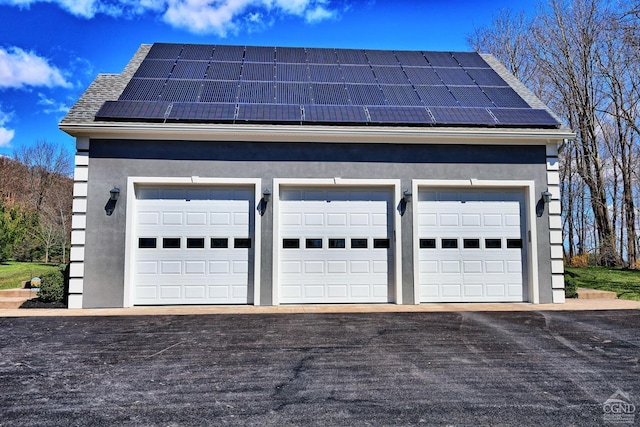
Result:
<point x="6" y="134"/>
<point x="219" y="17"/>
<point x="319" y="14"/>
<point x="51" y="106"/>
<point x="20" y="68"/>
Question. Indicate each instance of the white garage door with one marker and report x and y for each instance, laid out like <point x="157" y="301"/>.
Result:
<point x="335" y="245"/>
<point x="193" y="245"/>
<point x="471" y="245"/>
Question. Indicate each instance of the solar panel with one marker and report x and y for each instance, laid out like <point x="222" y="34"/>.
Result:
<point x="292" y="72"/>
<point x="252" y="71"/>
<point x="181" y="90"/>
<point x="399" y="115"/>
<point x="422" y="76"/>
<point x="224" y="71"/>
<point x="462" y="116"/>
<point x="365" y="94"/>
<point x="334" y="114"/>
<point x="470" y="60"/>
<point x="259" y="54"/>
<point x="329" y="93"/>
<point x="203" y="83"/>
<point x="164" y="51"/>
<point x="454" y="76"/>
<point x="159" y="69"/>
<point x="486" y="77"/>
<point x="390" y="75"/>
<point x="358" y="74"/>
<point x="190" y="70"/>
<point x="200" y="52"/>
<point x="441" y="59"/>
<point x="400" y="95"/>
<point x="351" y="56"/>
<point x="143" y="90"/>
<point x="293" y="93"/>
<point x="325" y="73"/>
<point x="219" y="91"/>
<point x="524" y="116"/>
<point x="228" y="53"/>
<point x="470" y="96"/>
<point x="292" y="55"/>
<point x="256" y="92"/>
<point x="381" y="57"/>
<point x="436" y="96"/>
<point x="321" y="56"/>
<point x="505" y="97"/>
<point x="410" y="58"/>
<point x="200" y="111"/>
<point x="269" y="113"/>
<point x="119" y="110"/>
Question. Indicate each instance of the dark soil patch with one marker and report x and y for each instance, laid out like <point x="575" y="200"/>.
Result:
<point x="38" y="303"/>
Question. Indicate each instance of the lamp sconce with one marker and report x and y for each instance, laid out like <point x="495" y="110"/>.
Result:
<point x="546" y="196"/>
<point x="114" y="194"/>
<point x="407" y="196"/>
<point x="266" y="195"/>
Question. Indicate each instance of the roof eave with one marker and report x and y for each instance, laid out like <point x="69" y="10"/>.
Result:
<point x="297" y="133"/>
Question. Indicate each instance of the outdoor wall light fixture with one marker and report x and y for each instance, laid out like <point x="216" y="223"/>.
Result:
<point x="407" y="196"/>
<point x="114" y="194"/>
<point x="266" y="195"/>
<point x="546" y="196"/>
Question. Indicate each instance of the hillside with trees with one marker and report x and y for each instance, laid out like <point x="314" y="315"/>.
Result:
<point x="582" y="58"/>
<point x="35" y="203"/>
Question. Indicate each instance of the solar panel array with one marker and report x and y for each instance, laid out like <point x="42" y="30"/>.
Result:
<point x="238" y="84"/>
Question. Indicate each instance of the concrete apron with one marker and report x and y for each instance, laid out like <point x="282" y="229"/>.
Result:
<point x="569" y="305"/>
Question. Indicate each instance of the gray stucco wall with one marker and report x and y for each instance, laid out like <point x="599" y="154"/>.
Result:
<point x="112" y="161"/>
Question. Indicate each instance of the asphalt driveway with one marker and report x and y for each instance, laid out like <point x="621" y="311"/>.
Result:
<point x="472" y="368"/>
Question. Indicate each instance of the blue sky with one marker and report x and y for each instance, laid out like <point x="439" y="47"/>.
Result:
<point x="51" y="50"/>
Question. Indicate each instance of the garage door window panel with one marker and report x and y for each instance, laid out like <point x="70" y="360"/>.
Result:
<point x="493" y="243"/>
<point x="291" y="243"/>
<point x="427" y="243"/>
<point x="449" y="243"/>
<point x="337" y="243"/>
<point x="171" y="243"/>
<point x="241" y="243"/>
<point x="195" y="242"/>
<point x="359" y="243"/>
<point x="147" y="243"/>
<point x="219" y="243"/>
<point x="313" y="243"/>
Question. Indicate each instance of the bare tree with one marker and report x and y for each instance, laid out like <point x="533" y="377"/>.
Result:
<point x="45" y="161"/>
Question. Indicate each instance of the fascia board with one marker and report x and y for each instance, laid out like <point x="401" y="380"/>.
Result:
<point x="337" y="134"/>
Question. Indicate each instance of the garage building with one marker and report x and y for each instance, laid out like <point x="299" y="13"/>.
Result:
<point x="216" y="174"/>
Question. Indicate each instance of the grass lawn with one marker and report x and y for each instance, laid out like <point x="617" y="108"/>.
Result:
<point x="13" y="273"/>
<point x="626" y="283"/>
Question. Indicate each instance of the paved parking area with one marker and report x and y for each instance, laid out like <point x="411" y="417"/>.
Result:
<point x="339" y="369"/>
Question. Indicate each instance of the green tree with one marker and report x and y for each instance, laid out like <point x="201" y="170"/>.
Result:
<point x="14" y="222"/>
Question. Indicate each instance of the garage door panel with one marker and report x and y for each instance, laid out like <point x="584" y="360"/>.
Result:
<point x="149" y="218"/>
<point x="334" y="245"/>
<point x="480" y="224"/>
<point x="194" y="292"/>
<point x="195" y="240"/>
